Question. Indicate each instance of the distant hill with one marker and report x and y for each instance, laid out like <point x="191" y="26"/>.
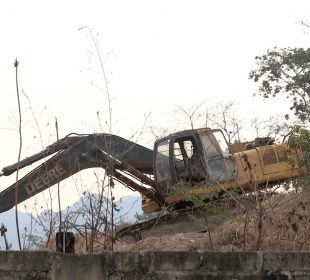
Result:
<point x="128" y="208"/>
<point x="8" y="219"/>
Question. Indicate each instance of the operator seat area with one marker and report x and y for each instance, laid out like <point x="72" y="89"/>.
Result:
<point x="188" y="161"/>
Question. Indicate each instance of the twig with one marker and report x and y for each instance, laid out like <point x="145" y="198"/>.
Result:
<point x="58" y="193"/>
<point x="245" y="229"/>
<point x="94" y="226"/>
<point x="19" y="154"/>
<point x="103" y="73"/>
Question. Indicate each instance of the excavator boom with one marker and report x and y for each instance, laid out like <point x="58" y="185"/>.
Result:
<point x="75" y="153"/>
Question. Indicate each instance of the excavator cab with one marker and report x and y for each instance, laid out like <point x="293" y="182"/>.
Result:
<point x="193" y="157"/>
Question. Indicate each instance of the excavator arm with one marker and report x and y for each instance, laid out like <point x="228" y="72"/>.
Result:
<point x="126" y="161"/>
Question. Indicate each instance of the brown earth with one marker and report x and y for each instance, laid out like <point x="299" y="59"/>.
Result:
<point x="280" y="222"/>
<point x="190" y="241"/>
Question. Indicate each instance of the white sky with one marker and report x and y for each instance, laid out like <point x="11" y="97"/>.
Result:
<point x="157" y="55"/>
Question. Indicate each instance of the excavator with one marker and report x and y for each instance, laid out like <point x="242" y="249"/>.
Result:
<point x="199" y="161"/>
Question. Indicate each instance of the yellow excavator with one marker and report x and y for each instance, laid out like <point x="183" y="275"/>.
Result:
<point x="199" y="161"/>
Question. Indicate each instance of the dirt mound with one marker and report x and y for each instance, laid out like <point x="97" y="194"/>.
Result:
<point x="278" y="222"/>
<point x="177" y="242"/>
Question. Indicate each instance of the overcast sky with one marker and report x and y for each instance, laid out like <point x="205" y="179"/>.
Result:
<point x="156" y="55"/>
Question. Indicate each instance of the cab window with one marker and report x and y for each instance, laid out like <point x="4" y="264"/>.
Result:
<point x="162" y="161"/>
<point x="220" y="166"/>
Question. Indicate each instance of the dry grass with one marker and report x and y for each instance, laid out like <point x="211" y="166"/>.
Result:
<point x="285" y="224"/>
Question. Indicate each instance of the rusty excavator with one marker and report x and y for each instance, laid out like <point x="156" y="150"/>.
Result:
<point x="199" y="161"/>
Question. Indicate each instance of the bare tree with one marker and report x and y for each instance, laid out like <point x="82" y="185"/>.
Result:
<point x="222" y="116"/>
<point x="191" y="114"/>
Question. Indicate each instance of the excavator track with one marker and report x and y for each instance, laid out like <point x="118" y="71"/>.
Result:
<point x="137" y="231"/>
<point x="193" y="219"/>
<point x="190" y="219"/>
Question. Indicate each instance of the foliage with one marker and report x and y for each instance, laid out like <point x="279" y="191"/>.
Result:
<point x="300" y="138"/>
<point x="32" y="242"/>
<point x="285" y="71"/>
<point x="146" y="217"/>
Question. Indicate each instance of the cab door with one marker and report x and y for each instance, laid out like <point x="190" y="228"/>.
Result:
<point x="188" y="159"/>
<point x="179" y="158"/>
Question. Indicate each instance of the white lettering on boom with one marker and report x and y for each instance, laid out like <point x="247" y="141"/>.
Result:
<point x="44" y="180"/>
